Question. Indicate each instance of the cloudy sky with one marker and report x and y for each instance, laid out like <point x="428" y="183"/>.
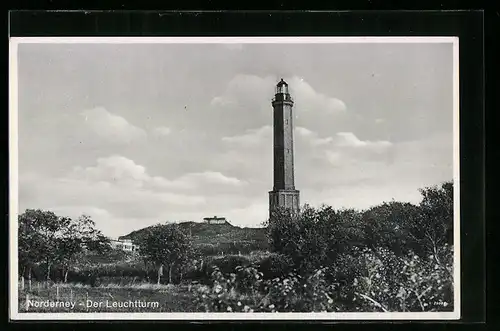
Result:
<point x="136" y="134"/>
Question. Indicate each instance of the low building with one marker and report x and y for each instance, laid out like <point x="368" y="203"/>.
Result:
<point x="125" y="245"/>
<point x="215" y="220"/>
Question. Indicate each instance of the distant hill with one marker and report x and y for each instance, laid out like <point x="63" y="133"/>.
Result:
<point x="217" y="238"/>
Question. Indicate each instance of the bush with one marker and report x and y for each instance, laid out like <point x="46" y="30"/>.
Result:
<point x="313" y="238"/>
<point x="386" y="282"/>
<point x="370" y="280"/>
<point x="238" y="247"/>
<point x="208" y="249"/>
<point x="275" y="265"/>
<point x="228" y="264"/>
<point x="222" y="296"/>
<point x="203" y="270"/>
<point x="246" y="291"/>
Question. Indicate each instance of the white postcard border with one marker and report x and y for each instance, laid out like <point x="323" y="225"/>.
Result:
<point x="186" y="316"/>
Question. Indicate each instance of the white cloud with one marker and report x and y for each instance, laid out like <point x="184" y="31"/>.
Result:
<point x="116" y="190"/>
<point x="362" y="195"/>
<point x="343" y="150"/>
<point x="245" y="103"/>
<point x="304" y="132"/>
<point x="349" y="139"/>
<point x="312" y="137"/>
<point x="64" y="192"/>
<point x="115" y="169"/>
<point x="252" y="137"/>
<point x="162" y="131"/>
<point x="212" y="177"/>
<point x="121" y="196"/>
<point x="341" y="140"/>
<point x="111" y="127"/>
<point x="352" y="177"/>
<point x="123" y="172"/>
<point x="198" y="172"/>
<point x="78" y="210"/>
<point x="252" y="215"/>
<point x="197" y="181"/>
<point x="308" y="99"/>
<point x="246" y="90"/>
<point x="333" y="157"/>
<point x="257" y="92"/>
<point x="222" y="101"/>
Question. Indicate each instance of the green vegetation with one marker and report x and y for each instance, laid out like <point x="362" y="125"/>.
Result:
<point x="47" y="240"/>
<point x="392" y="257"/>
<point x="217" y="239"/>
<point x="169" y="298"/>
<point x="165" y="245"/>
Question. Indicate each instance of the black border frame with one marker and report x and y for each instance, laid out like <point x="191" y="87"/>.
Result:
<point x="467" y="25"/>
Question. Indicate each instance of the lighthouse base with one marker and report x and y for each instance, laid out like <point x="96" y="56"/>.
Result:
<point x="284" y="199"/>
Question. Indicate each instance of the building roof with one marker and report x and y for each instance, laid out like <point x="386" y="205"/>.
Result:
<point x="214" y="218"/>
<point x="282" y="82"/>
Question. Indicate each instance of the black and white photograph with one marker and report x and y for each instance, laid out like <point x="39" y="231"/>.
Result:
<point x="234" y="178"/>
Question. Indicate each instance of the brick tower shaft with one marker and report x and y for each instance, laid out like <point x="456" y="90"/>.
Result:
<point x="284" y="193"/>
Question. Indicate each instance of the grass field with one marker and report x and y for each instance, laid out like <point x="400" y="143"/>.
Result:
<point x="78" y="298"/>
<point x="116" y="290"/>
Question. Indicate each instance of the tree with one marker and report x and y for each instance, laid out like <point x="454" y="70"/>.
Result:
<point x="43" y="227"/>
<point x="45" y="238"/>
<point x="282" y="228"/>
<point x="437" y="208"/>
<point x="30" y="244"/>
<point x="78" y="238"/>
<point x="434" y="228"/>
<point x="165" y="245"/>
<point x="387" y="225"/>
<point x="314" y="237"/>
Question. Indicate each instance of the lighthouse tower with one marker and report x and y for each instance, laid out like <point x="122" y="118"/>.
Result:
<point x="284" y="193"/>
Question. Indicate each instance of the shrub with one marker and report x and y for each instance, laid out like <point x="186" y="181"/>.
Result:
<point x="231" y="247"/>
<point x="371" y="280"/>
<point x="228" y="264"/>
<point x="222" y="296"/>
<point x="246" y="291"/>
<point x="387" y="282"/>
<point x="313" y="238"/>
<point x="208" y="249"/>
<point x="247" y="280"/>
<point x="275" y="265"/>
<point x="294" y="293"/>
<point x="203" y="270"/>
